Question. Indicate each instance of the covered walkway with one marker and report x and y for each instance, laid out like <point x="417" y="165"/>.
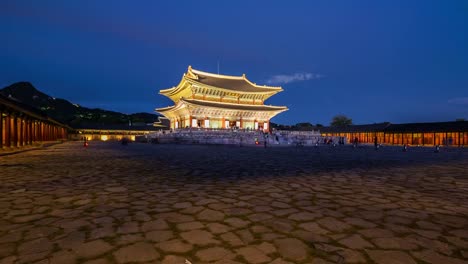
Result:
<point x="22" y="125"/>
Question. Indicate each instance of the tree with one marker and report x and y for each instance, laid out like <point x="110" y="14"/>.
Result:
<point x="341" y="120"/>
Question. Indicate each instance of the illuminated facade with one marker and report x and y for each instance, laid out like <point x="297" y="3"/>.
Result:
<point x="207" y="100"/>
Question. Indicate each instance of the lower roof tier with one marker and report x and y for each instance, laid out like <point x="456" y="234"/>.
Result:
<point x="194" y="107"/>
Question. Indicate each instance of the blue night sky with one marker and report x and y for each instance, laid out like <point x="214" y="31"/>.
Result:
<point x="374" y="61"/>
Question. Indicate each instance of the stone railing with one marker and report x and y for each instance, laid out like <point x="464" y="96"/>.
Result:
<point x="240" y="137"/>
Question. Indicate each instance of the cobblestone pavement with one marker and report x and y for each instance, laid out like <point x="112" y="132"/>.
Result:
<point x="219" y="204"/>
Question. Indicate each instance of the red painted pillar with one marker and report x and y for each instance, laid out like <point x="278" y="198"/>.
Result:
<point x="21" y="132"/>
<point x="8" y="130"/>
<point x="40" y="131"/>
<point x="15" y="131"/>
<point x="31" y="132"/>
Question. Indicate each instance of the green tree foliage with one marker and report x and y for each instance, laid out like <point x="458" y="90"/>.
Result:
<point x="341" y="120"/>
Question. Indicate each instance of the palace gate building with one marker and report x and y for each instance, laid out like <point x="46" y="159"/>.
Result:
<point x="207" y="100"/>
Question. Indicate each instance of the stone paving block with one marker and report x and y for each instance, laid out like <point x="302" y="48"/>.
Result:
<point x="92" y="249"/>
<point x="217" y="228"/>
<point x="303" y="216"/>
<point x="333" y="224"/>
<point x="172" y="259"/>
<point x="236" y="222"/>
<point x="267" y="248"/>
<point x="210" y="215"/>
<point x="129" y="239"/>
<point x="159" y="235"/>
<point x="189" y="226"/>
<point x="232" y="239"/>
<point x="356" y="242"/>
<point x="352" y="256"/>
<point x="63" y="256"/>
<point x="174" y="246"/>
<point x="314" y="228"/>
<point x="35" y="246"/>
<point x="253" y="255"/>
<point x="138" y="252"/>
<point x="376" y="233"/>
<point x="245" y="236"/>
<point x="96" y="261"/>
<point x="390" y="257"/>
<point x="433" y="257"/>
<point x="214" y="254"/>
<point x="292" y="249"/>
<point x="199" y="237"/>
<point x="394" y="243"/>
<point x="158" y="224"/>
<point x="128" y="227"/>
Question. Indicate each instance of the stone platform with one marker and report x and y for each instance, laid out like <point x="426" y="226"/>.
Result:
<point x="146" y="203"/>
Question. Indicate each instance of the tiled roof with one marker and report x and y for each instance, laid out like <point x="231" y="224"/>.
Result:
<point x="235" y="83"/>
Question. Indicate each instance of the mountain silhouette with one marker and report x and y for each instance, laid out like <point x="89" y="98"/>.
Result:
<point x="68" y="113"/>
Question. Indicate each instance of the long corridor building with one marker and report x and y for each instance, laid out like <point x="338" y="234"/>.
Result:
<point x="22" y="125"/>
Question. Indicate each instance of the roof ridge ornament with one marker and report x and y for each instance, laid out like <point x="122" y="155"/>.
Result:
<point x="191" y="74"/>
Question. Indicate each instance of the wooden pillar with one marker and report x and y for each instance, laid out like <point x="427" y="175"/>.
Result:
<point x="26" y="131"/>
<point x="31" y="132"/>
<point x="15" y="131"/>
<point x="35" y="129"/>
<point x="21" y="132"/>
<point x="223" y="123"/>
<point x="241" y="125"/>
<point x="8" y="130"/>
<point x="42" y="131"/>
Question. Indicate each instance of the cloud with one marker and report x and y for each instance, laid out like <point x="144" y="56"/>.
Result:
<point x="296" y="77"/>
<point x="459" y="101"/>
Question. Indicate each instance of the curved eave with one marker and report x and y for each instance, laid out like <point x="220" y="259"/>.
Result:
<point x="269" y="93"/>
<point x="173" y="90"/>
<point x="165" y="109"/>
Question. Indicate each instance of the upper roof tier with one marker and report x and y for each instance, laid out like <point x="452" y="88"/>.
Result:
<point x="199" y="82"/>
<point x="235" y="83"/>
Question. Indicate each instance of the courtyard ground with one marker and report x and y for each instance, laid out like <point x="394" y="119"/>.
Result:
<point x="110" y="203"/>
